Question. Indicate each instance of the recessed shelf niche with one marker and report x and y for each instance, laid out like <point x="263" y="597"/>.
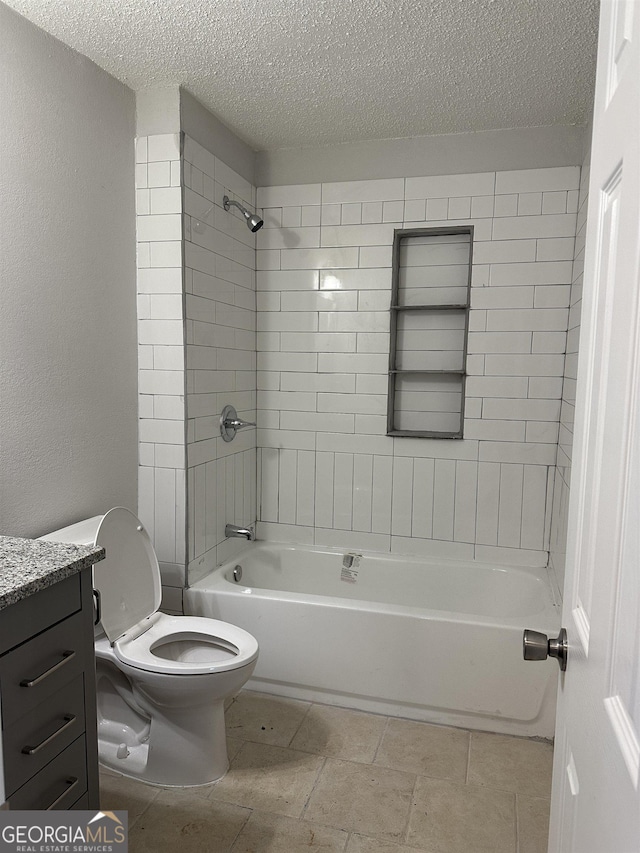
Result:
<point x="431" y="280"/>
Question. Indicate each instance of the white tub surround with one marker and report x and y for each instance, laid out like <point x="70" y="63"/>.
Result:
<point x="562" y="481"/>
<point x="328" y="473"/>
<point x="220" y="312"/>
<point x="438" y="641"/>
<point x="197" y="353"/>
<point x="162" y="468"/>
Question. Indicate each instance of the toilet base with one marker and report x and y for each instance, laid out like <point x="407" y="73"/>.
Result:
<point x="171" y="754"/>
<point x="161" y="728"/>
<point x="132" y="764"/>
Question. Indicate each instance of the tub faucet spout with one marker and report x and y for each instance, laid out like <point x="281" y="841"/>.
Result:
<point x="239" y="532"/>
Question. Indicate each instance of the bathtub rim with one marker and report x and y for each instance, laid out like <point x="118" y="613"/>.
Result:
<point x="548" y="618"/>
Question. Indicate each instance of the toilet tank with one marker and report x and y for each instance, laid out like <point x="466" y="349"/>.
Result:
<point x="82" y="533"/>
<point x="128" y="580"/>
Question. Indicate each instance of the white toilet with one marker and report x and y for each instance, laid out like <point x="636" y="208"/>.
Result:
<point x="161" y="680"/>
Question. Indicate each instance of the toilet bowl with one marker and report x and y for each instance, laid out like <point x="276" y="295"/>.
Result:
<point x="162" y="681"/>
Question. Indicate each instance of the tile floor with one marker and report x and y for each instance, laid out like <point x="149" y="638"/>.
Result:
<point x="306" y="776"/>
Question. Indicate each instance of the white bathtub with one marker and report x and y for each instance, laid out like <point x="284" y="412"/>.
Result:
<point x="439" y="641"/>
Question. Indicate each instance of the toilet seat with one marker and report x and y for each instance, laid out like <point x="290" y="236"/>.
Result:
<point x="142" y="637"/>
<point x="187" y="645"/>
<point x="135" y="632"/>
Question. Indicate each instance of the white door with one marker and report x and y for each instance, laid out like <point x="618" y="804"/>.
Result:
<point x="596" y="790"/>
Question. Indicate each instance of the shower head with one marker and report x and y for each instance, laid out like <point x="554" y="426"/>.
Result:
<point x="254" y="223"/>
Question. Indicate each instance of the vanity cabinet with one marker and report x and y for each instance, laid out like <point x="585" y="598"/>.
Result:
<point x="48" y="698"/>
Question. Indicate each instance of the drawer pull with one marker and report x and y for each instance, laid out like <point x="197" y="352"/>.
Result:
<point x="98" y="607"/>
<point x="32" y="682"/>
<point x="69" y="720"/>
<point x="71" y="782"/>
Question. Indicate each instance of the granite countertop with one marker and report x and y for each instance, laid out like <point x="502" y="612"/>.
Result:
<point x="29" y="565"/>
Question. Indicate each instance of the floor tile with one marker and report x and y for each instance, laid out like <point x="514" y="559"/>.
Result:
<point x="271" y="778"/>
<point x="511" y="764"/>
<point x="340" y="733"/>
<point x="410" y="800"/>
<point x="265" y="719"/>
<point x="362" y="798"/>
<point x="234" y="745"/>
<point x="119" y="792"/>
<point x="450" y="818"/>
<point x="533" y="824"/>
<point x="435" y="751"/>
<point x="363" y="844"/>
<point x="177" y="820"/>
<point x="267" y="833"/>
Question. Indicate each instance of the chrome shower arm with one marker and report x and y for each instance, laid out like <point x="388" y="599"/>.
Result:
<point x="228" y="202"/>
<point x="254" y="223"/>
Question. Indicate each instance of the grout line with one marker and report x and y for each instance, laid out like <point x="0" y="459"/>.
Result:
<point x="314" y="786"/>
<point x="456" y="462"/>
<point x="466" y="775"/>
<point x="306" y="714"/>
<point x="382" y="734"/>
<point x="232" y="761"/>
<point x="241" y="830"/>
<point x="405" y="834"/>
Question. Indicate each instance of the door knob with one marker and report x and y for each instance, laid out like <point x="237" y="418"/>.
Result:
<point x="537" y="646"/>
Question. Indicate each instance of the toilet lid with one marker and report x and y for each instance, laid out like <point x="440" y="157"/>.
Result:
<point x="129" y="577"/>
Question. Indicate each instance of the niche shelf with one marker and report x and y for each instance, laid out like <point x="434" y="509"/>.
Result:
<point x="431" y="282"/>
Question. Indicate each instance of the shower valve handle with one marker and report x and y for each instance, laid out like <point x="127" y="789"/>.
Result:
<point x="237" y="423"/>
<point x="537" y="646"/>
<point x="230" y="423"/>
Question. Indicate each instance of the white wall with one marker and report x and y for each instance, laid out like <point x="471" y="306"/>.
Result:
<point x="158" y="111"/>
<point x="67" y="254"/>
<point x="328" y="473"/>
<point x="202" y="126"/>
<point x="455" y="153"/>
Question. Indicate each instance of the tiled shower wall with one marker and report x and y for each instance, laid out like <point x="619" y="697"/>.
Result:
<point x="196" y="311"/>
<point x="327" y="472"/>
<point x="557" y="554"/>
<point x="161" y="383"/>
<point x="219" y="276"/>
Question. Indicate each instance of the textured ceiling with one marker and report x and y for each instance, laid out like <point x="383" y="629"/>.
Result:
<point x="284" y="73"/>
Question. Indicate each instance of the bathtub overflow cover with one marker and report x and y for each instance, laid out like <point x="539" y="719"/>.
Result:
<point x="237" y="574"/>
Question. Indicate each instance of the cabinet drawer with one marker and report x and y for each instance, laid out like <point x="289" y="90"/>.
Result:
<point x="82" y="804"/>
<point x="59" y="785"/>
<point x="43" y="733"/>
<point x="38" y="612"/>
<point x="40" y="667"/>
